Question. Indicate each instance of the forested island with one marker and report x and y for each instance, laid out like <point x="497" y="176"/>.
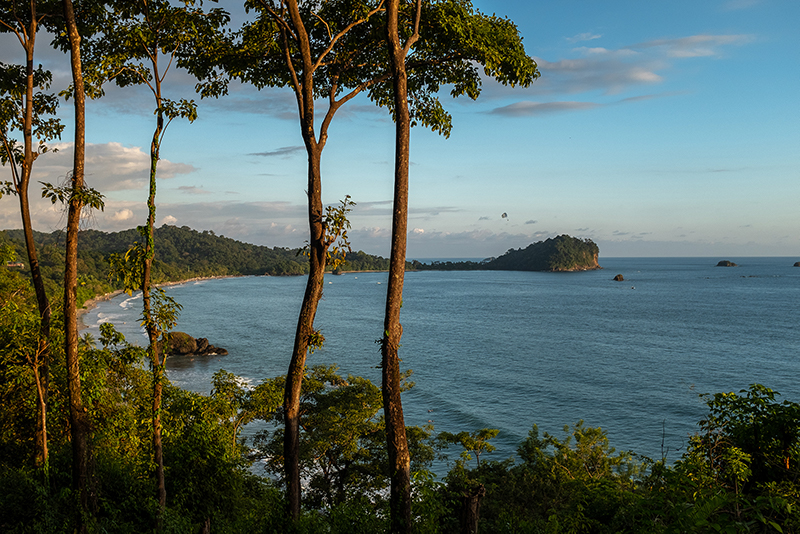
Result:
<point x="556" y="254"/>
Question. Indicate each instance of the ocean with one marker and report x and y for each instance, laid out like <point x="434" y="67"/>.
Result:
<point x="508" y="350"/>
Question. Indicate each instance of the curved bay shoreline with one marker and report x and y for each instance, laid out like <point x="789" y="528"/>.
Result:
<point x="92" y="303"/>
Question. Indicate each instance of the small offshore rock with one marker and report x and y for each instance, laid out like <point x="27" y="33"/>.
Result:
<point x="619" y="278"/>
<point x="182" y="344"/>
<point x="797" y="264"/>
<point x="726" y="263"/>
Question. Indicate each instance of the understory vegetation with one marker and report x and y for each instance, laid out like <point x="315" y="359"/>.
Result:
<point x="739" y="473"/>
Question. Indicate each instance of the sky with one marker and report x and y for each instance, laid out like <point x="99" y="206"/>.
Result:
<point x="659" y="128"/>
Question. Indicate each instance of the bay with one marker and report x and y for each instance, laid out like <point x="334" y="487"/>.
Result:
<point x="508" y="350"/>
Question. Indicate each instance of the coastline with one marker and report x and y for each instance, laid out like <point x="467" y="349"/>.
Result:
<point x="92" y="303"/>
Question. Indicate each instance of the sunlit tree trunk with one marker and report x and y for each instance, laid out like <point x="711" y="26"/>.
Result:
<point x="397" y="445"/>
<point x="78" y="417"/>
<point x="316" y="273"/>
<point x="305" y="330"/>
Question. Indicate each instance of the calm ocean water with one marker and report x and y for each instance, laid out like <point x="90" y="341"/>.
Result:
<point x="509" y="349"/>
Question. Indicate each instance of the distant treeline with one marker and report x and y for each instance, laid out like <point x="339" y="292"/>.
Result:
<point x="180" y="253"/>
<point x="562" y="253"/>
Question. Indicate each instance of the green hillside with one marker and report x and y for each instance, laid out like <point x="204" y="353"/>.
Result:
<point x="180" y="253"/>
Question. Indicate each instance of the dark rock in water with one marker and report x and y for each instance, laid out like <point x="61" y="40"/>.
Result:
<point x="182" y="344"/>
<point x="797" y="264"/>
<point x="726" y="263"/>
<point x="619" y="278"/>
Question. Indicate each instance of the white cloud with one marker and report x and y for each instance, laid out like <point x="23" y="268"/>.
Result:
<point x="526" y="109"/>
<point x="122" y="215"/>
<point x="587" y="36"/>
<point x="695" y="45"/>
<point x="109" y="166"/>
<point x="169" y="219"/>
<point x="611" y="73"/>
<point x="193" y="190"/>
<point x="615" y="71"/>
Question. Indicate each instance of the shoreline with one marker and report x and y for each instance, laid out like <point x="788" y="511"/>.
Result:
<point x="92" y="303"/>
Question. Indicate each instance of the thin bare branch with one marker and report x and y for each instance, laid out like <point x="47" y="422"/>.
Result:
<point x="169" y="63"/>
<point x="327" y="27"/>
<point x="336" y="104"/>
<point x="12" y="162"/>
<point x="296" y="85"/>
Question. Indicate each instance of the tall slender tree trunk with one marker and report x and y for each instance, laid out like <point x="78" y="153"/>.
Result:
<point x="397" y="445"/>
<point x="41" y="361"/>
<point x="305" y="329"/>
<point x="78" y="417"/>
<point x="304" y="92"/>
<point x="150" y="323"/>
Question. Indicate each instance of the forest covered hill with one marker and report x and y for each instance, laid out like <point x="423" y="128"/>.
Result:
<point x="180" y="253"/>
<point x="562" y="253"/>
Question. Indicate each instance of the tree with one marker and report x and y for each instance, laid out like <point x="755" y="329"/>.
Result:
<point x="26" y="108"/>
<point x="473" y="442"/>
<point x="455" y="38"/>
<point x="743" y="464"/>
<point x="137" y="37"/>
<point x="397" y="445"/>
<point x="320" y="50"/>
<point x="77" y="195"/>
<point x="337" y="50"/>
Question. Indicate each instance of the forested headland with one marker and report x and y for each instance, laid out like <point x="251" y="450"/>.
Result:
<point x="556" y="254"/>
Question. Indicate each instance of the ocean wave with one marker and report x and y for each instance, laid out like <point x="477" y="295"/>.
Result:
<point x="127" y="303"/>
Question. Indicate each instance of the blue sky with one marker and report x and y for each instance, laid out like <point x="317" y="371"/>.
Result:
<point x="662" y="128"/>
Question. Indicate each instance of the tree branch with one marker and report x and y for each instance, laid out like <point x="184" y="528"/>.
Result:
<point x="278" y="18"/>
<point x="344" y="32"/>
<point x="415" y="36"/>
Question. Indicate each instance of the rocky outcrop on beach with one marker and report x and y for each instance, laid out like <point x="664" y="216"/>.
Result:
<point x="182" y="344"/>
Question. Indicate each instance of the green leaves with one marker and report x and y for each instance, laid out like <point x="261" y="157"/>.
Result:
<point x="44" y="125"/>
<point x="455" y="40"/>
<point x="86" y="196"/>
<point x="127" y="268"/>
<point x="476" y="443"/>
<point x="336" y="224"/>
<point x="185" y="109"/>
<point x="165" y="311"/>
